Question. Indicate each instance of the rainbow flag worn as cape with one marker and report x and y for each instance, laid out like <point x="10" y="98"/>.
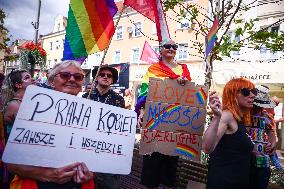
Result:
<point x="89" y="28"/>
<point x="158" y="70"/>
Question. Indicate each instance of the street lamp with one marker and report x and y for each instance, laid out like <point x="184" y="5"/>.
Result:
<point x="36" y="26"/>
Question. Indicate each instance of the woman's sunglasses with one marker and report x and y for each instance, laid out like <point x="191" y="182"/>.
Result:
<point x="67" y="75"/>
<point x="169" y="46"/>
<point x="246" y="91"/>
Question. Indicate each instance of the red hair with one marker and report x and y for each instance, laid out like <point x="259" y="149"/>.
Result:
<point x="229" y="99"/>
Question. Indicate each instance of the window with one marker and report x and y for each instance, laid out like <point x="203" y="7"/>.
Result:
<point x="185" y="22"/>
<point x="119" y="32"/>
<point x="50" y="46"/>
<point x="275" y="29"/>
<point x="237" y="39"/>
<point x="49" y="63"/>
<point x="135" y="55"/>
<point x="57" y="45"/>
<point x="58" y="27"/>
<point x="263" y="51"/>
<point x="63" y="41"/>
<point x="55" y="61"/>
<point x="137" y="29"/>
<point x="233" y="39"/>
<point x="274" y="55"/>
<point x="182" y="51"/>
<point x="117" y="55"/>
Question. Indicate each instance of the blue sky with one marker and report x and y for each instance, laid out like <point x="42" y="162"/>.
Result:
<point x="20" y="14"/>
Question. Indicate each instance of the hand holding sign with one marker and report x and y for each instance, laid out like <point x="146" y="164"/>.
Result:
<point x="182" y="80"/>
<point x="83" y="174"/>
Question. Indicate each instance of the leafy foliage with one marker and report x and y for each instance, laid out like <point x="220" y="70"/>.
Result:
<point x="3" y="31"/>
<point x="228" y="13"/>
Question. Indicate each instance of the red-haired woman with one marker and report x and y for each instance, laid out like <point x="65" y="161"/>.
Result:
<point x="226" y="140"/>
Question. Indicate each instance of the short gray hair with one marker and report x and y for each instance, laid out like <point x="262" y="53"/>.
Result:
<point x="64" y="64"/>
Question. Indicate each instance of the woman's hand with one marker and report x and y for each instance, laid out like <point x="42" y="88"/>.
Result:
<point x="182" y="80"/>
<point x="60" y="175"/>
<point x="215" y="104"/>
<point x="140" y="118"/>
<point x="83" y="174"/>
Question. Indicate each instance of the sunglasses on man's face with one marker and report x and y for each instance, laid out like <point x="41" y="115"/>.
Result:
<point x="247" y="91"/>
<point x="105" y="75"/>
<point x="67" y="75"/>
<point x="169" y="46"/>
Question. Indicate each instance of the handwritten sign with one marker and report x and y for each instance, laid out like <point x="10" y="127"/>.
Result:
<point x="174" y="118"/>
<point x="53" y="129"/>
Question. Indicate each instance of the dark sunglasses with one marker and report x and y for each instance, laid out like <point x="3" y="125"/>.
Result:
<point x="246" y="91"/>
<point x="105" y="74"/>
<point x="67" y="75"/>
<point x="169" y="46"/>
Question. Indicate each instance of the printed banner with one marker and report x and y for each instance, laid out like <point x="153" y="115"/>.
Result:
<point x="53" y="129"/>
<point x="174" y="118"/>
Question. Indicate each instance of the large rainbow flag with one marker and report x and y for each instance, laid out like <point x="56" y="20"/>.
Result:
<point x="89" y="28"/>
<point x="161" y="71"/>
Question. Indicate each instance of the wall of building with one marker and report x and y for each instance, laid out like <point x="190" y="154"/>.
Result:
<point x="53" y="43"/>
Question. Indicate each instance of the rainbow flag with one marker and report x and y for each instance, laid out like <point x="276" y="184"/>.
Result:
<point x="211" y="38"/>
<point x="89" y="28"/>
<point x="161" y="71"/>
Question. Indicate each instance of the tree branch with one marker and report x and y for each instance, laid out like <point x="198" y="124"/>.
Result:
<point x="231" y="19"/>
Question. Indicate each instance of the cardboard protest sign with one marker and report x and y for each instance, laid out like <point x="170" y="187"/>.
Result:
<point x="53" y="129"/>
<point x="174" y="118"/>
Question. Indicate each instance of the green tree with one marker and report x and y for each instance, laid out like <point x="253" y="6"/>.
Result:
<point x="3" y="31"/>
<point x="228" y="13"/>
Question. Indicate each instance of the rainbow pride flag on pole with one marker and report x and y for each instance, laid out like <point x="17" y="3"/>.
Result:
<point x="89" y="28"/>
<point x="211" y="38"/>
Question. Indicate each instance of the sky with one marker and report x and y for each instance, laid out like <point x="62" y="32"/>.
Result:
<point x="20" y="14"/>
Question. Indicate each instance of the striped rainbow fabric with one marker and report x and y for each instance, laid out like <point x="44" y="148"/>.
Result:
<point x="158" y="70"/>
<point x="89" y="28"/>
<point x="25" y="183"/>
<point x="211" y="37"/>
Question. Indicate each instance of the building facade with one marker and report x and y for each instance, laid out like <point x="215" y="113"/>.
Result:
<point x="53" y="43"/>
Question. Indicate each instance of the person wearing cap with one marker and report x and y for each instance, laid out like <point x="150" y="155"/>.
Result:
<point x="159" y="169"/>
<point x="263" y="135"/>
<point x="103" y="93"/>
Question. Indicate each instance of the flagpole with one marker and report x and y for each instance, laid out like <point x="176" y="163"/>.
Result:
<point x="105" y="52"/>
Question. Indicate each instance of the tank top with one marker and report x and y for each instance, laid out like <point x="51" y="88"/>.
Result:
<point x="229" y="163"/>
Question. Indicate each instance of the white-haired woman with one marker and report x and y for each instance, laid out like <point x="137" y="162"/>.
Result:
<point x="66" y="77"/>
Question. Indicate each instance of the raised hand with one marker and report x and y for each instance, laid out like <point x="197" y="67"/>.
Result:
<point x="215" y="104"/>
